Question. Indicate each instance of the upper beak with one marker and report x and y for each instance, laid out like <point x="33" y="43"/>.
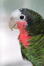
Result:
<point x="12" y="23"/>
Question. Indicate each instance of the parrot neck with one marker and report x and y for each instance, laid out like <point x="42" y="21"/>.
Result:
<point x="24" y="38"/>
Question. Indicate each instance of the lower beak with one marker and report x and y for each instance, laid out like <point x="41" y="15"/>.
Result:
<point x="12" y="24"/>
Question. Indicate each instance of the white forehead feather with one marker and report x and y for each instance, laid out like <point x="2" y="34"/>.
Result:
<point x="16" y="13"/>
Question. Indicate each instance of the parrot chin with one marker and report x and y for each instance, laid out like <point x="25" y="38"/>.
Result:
<point x="21" y="25"/>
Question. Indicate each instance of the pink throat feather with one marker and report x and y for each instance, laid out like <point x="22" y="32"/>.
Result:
<point x="23" y="37"/>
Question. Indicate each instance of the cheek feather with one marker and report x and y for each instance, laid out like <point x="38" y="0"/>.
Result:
<point x="21" y="25"/>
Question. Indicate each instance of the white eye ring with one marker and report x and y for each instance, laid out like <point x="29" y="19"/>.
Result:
<point x="22" y="17"/>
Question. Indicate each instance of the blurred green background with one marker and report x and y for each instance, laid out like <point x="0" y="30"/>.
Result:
<point x="10" y="5"/>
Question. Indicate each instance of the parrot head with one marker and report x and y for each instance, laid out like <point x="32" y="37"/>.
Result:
<point x="28" y="22"/>
<point x="26" y="19"/>
<point x="18" y="20"/>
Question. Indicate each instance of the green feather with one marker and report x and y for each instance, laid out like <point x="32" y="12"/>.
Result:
<point x="35" y="51"/>
<point x="36" y="24"/>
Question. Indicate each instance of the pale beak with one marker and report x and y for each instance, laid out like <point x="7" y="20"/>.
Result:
<point x="12" y="23"/>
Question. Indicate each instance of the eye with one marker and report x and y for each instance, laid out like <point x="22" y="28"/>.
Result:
<point x="22" y="17"/>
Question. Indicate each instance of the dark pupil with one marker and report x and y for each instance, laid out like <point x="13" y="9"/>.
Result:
<point x="21" y="17"/>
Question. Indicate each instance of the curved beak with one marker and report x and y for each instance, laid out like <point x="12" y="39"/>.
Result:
<point x="12" y="23"/>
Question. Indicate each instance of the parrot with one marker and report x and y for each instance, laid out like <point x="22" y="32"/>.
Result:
<point x="31" y="37"/>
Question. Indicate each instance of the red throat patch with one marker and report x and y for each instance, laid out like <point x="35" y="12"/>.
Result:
<point x="21" y="25"/>
<point x="23" y="37"/>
